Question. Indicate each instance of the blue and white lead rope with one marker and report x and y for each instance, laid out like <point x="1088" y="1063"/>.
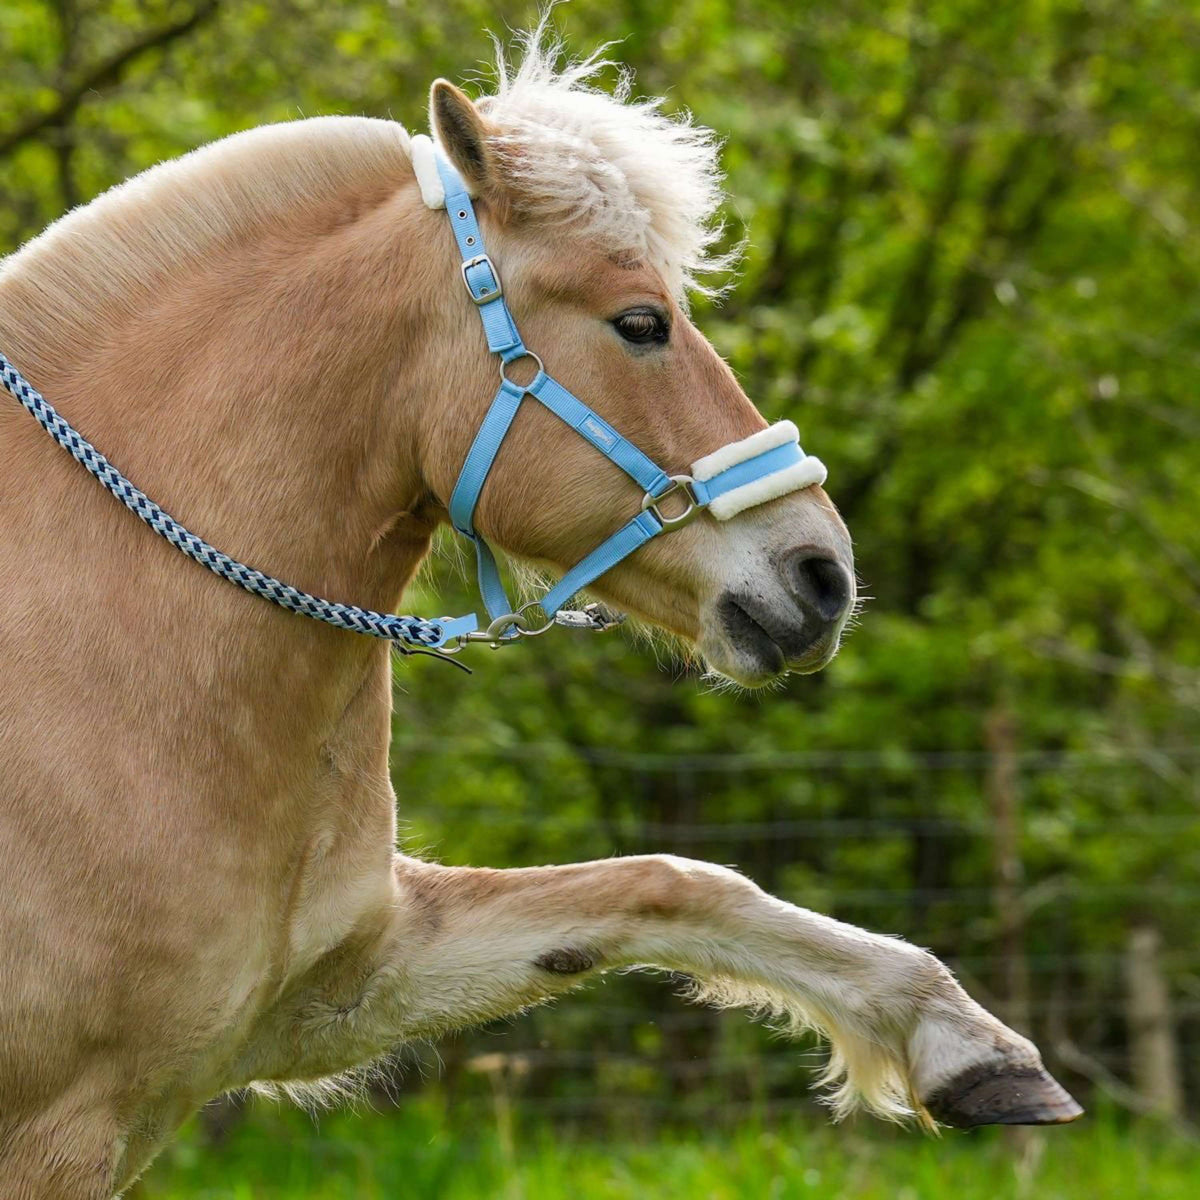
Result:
<point x="403" y="631"/>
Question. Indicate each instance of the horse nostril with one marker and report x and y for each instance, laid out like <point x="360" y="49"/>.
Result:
<point x="821" y="585"/>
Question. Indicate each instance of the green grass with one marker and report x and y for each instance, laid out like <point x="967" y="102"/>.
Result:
<point x="419" y="1152"/>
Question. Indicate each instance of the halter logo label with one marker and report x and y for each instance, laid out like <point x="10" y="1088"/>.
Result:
<point x="599" y="432"/>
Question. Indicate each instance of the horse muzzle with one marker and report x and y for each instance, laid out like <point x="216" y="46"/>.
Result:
<point x="791" y="624"/>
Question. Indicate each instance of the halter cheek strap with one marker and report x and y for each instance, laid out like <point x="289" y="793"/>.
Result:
<point x="761" y="467"/>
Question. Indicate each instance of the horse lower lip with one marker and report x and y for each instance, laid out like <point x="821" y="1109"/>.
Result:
<point x="811" y="663"/>
<point x="748" y="635"/>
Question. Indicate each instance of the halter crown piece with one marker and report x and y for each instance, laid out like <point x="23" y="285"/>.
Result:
<point x="738" y="476"/>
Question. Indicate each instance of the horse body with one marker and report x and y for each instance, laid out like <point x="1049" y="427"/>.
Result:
<point x="227" y="845"/>
<point x="196" y="821"/>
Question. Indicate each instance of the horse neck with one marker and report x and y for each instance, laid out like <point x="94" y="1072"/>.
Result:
<point x="261" y="398"/>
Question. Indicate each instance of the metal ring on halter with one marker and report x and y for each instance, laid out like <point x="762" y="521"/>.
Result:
<point x="520" y="622"/>
<point x="679" y="483"/>
<point x="523" y="627"/>
<point x="541" y="370"/>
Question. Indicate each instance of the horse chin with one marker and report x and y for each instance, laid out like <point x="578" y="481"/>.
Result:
<point x="757" y="661"/>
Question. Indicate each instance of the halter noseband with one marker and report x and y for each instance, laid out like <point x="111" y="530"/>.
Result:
<point x="758" y="468"/>
<point x="761" y="467"/>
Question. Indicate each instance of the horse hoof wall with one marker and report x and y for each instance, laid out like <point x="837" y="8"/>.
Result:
<point x="994" y="1096"/>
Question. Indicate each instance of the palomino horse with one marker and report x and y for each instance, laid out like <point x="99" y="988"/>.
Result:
<point x="272" y="338"/>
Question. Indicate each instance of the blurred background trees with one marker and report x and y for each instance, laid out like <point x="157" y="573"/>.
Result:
<point x="970" y="278"/>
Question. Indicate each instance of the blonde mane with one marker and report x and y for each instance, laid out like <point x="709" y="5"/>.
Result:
<point x="617" y="171"/>
<point x="624" y="173"/>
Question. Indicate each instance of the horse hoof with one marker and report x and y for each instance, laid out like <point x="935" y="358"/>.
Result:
<point x="996" y="1096"/>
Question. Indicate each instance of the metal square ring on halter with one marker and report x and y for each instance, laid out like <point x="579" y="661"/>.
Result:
<point x="491" y="294"/>
<point x="682" y="484"/>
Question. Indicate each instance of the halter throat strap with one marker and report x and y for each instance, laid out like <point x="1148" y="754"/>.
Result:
<point x="761" y="467"/>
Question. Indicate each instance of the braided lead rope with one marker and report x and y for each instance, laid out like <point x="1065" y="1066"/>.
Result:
<point x="404" y="631"/>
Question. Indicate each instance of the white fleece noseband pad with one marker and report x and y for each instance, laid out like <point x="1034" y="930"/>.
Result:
<point x="796" y="470"/>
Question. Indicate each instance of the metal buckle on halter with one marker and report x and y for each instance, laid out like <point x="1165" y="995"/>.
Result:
<point x="679" y="483"/>
<point x="487" y="296"/>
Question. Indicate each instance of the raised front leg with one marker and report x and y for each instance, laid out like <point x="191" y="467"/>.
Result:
<point x="465" y="945"/>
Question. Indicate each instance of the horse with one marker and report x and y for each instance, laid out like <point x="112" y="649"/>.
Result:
<point x="272" y="337"/>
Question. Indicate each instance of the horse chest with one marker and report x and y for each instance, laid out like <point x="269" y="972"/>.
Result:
<point x="344" y="879"/>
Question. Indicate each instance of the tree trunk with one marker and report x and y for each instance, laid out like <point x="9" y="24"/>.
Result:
<point x="1004" y="796"/>
<point x="1152" y="1046"/>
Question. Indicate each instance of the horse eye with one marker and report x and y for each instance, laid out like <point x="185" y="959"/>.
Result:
<point x="642" y="326"/>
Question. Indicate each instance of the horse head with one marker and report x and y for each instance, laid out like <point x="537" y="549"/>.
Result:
<point x="597" y="215"/>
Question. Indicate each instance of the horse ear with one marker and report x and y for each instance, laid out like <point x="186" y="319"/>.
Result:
<point x="463" y="133"/>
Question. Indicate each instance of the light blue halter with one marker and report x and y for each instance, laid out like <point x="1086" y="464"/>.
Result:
<point x="778" y="467"/>
<point x="769" y="463"/>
